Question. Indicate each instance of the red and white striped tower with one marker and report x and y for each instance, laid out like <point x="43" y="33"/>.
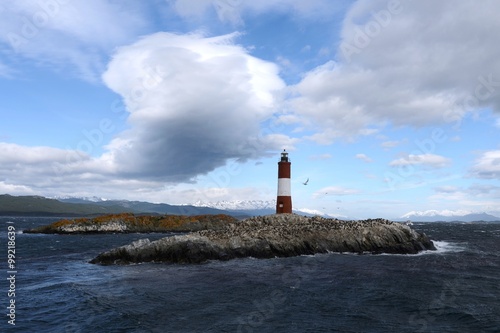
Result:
<point x="284" y="200"/>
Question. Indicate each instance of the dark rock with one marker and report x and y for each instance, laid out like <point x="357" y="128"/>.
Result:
<point x="270" y="236"/>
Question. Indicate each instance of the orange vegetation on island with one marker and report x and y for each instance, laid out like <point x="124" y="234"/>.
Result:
<point x="61" y="223"/>
<point x="140" y="223"/>
<point x="125" y="217"/>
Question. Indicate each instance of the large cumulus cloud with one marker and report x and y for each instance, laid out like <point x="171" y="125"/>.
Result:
<point x="193" y="103"/>
<point x="414" y="63"/>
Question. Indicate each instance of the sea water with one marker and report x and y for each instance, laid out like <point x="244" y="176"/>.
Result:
<point x="453" y="289"/>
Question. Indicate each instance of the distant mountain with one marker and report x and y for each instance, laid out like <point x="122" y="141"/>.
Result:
<point x="161" y="208"/>
<point x="245" y="208"/>
<point x="430" y="213"/>
<point x="237" y="208"/>
<point x="40" y="206"/>
<point x="79" y="200"/>
<point x="239" y="204"/>
<point x="448" y="216"/>
<point x="252" y="207"/>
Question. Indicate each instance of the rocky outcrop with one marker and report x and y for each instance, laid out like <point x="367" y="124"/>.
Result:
<point x="128" y="223"/>
<point x="270" y="236"/>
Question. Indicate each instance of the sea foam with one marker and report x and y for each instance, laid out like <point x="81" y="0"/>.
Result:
<point x="447" y="247"/>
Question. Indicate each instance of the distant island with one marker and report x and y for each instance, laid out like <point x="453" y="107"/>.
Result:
<point x="280" y="235"/>
<point x="131" y="223"/>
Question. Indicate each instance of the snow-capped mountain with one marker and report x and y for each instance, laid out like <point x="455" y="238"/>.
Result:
<point x="430" y="213"/>
<point x="448" y="216"/>
<point x="320" y="213"/>
<point x="257" y="207"/>
<point x="79" y="199"/>
<point x="238" y="204"/>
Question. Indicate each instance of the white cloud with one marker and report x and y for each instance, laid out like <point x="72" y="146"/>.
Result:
<point x="432" y="160"/>
<point x="56" y="172"/>
<point x="194" y="103"/>
<point x="447" y="189"/>
<point x="200" y="195"/>
<point x="484" y="190"/>
<point x="474" y="190"/>
<point x="335" y="191"/>
<point x="15" y="189"/>
<point x="477" y="198"/>
<point x="487" y="166"/>
<point x="13" y="153"/>
<point x="70" y="34"/>
<point x="363" y="157"/>
<point x="392" y="144"/>
<point x="44" y="167"/>
<point x="424" y="64"/>
<point x="39" y="160"/>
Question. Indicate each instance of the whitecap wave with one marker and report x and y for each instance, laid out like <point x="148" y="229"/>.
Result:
<point x="447" y="247"/>
<point x="442" y="247"/>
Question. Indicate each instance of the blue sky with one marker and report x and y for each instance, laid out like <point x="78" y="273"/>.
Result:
<point x="387" y="107"/>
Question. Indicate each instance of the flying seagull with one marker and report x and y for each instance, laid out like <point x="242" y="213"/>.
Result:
<point x="307" y="181"/>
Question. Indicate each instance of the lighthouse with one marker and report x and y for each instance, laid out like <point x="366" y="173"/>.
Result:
<point x="284" y="199"/>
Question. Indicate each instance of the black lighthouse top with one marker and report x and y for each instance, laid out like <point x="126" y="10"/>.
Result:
<point x="284" y="156"/>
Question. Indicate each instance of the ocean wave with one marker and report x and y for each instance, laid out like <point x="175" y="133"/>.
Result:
<point x="447" y="247"/>
<point x="442" y="247"/>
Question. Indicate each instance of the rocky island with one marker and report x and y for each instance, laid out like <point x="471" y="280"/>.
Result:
<point x="281" y="235"/>
<point x="130" y="223"/>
